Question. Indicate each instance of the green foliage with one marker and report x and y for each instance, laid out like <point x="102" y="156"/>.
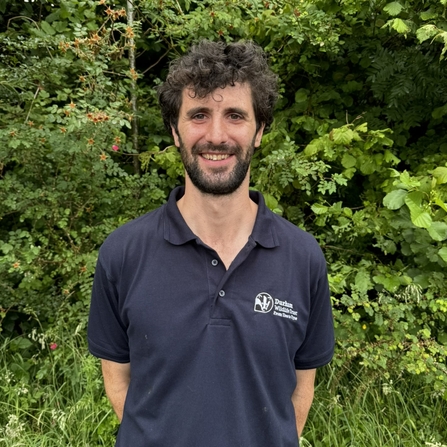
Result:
<point x="66" y="181"/>
<point x="386" y="411"/>
<point x="60" y="401"/>
<point x="52" y="392"/>
<point x="357" y="155"/>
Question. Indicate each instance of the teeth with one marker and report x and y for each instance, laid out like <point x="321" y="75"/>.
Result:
<point x="215" y="157"/>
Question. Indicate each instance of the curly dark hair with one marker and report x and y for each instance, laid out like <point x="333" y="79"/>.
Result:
<point x="211" y="65"/>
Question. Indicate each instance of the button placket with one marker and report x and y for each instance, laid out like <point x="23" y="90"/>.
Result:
<point x="240" y="258"/>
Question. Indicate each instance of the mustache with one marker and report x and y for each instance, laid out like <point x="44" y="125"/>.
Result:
<point x="197" y="149"/>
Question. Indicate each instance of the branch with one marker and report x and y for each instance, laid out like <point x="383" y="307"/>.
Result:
<point x="32" y="102"/>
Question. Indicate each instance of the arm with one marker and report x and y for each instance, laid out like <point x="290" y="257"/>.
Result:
<point x="302" y="396"/>
<point x="116" y="382"/>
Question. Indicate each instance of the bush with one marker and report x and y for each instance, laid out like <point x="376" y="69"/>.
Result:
<point x="357" y="155"/>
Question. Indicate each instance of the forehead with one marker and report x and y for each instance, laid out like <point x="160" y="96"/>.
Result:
<point x="237" y="95"/>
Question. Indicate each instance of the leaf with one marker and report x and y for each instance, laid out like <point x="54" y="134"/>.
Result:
<point x="391" y="283"/>
<point x="388" y="246"/>
<point x="363" y="281"/>
<point x="441" y="175"/>
<point x="414" y="199"/>
<point x="367" y="165"/>
<point x="301" y="95"/>
<point x="441" y="204"/>
<point x="378" y="319"/>
<point x="270" y="201"/>
<point x="348" y="161"/>
<point x="419" y="216"/>
<point x="421" y="219"/>
<point x="47" y="28"/>
<point x="439" y="112"/>
<point x="395" y="199"/>
<point x="443" y="253"/>
<point x="362" y="127"/>
<point x="53" y="16"/>
<point x="313" y="147"/>
<point x="438" y="231"/>
<point x="428" y="15"/>
<point x="317" y="208"/>
<point x="400" y="26"/>
<point x="385" y="141"/>
<point x="409" y="181"/>
<point x="349" y="173"/>
<point x="343" y="135"/>
<point x="393" y="8"/>
<point x="389" y="157"/>
<point x="443" y="36"/>
<point x="6" y="248"/>
<point x="20" y="343"/>
<point x="348" y="101"/>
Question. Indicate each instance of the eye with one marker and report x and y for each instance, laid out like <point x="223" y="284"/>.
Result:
<point x="235" y="116"/>
<point x="199" y="116"/>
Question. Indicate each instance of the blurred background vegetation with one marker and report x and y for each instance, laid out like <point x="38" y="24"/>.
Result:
<point x="357" y="155"/>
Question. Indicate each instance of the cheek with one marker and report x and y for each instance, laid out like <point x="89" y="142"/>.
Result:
<point x="188" y="137"/>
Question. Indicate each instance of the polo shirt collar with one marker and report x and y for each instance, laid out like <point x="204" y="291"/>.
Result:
<point x="264" y="231"/>
<point x="177" y="232"/>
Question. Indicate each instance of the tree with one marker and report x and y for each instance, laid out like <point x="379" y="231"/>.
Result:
<point x="357" y="153"/>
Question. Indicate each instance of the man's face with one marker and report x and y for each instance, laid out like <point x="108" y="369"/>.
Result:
<point x="217" y="136"/>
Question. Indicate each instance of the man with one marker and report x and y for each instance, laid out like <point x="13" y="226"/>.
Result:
<point x="211" y="314"/>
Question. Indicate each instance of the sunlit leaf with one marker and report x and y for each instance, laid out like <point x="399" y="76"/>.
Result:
<point x="393" y="8"/>
<point x="443" y="253"/>
<point x="438" y="231"/>
<point x="317" y="208"/>
<point x="441" y="175"/>
<point x="395" y="199"/>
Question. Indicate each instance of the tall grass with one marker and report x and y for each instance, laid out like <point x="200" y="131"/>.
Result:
<point x="54" y="397"/>
<point x="366" y="410"/>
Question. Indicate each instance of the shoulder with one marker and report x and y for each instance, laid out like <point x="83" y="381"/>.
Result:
<point x="289" y="231"/>
<point x="297" y="239"/>
<point x="272" y="230"/>
<point x="133" y="236"/>
<point x="298" y="249"/>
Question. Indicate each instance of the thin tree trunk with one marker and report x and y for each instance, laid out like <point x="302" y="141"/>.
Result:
<point x="133" y="98"/>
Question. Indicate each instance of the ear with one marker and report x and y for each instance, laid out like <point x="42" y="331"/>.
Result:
<point x="258" y="136"/>
<point x="175" y="136"/>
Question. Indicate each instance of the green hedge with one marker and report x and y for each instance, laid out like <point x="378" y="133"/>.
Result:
<point x="357" y="155"/>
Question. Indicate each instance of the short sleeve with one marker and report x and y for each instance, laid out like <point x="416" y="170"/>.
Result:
<point x="318" y="347"/>
<point x="107" y="335"/>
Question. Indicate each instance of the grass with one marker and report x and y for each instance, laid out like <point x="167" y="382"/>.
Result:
<point x="363" y="410"/>
<point x="54" y="398"/>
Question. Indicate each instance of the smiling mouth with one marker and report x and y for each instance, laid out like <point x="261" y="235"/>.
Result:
<point x="216" y="157"/>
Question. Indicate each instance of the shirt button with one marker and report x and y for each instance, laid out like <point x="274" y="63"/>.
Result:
<point x="222" y="293"/>
<point x="214" y="262"/>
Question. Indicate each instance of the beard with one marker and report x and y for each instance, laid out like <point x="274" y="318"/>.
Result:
<point x="219" y="181"/>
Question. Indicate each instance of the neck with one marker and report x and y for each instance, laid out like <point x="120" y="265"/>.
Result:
<point x="224" y="223"/>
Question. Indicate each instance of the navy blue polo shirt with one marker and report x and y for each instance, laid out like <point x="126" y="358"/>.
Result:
<point x="213" y="352"/>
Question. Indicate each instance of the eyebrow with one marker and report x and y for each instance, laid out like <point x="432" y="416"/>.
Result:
<point x="237" y="110"/>
<point x="191" y="112"/>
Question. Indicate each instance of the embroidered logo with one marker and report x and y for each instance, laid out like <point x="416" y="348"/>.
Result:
<point x="264" y="303"/>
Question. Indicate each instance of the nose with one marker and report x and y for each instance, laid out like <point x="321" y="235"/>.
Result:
<point x="216" y="132"/>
